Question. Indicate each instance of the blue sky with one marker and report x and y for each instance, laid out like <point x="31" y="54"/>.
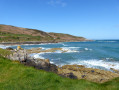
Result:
<point x="93" y="19"/>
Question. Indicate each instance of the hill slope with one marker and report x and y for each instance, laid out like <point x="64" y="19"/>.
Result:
<point x="10" y="33"/>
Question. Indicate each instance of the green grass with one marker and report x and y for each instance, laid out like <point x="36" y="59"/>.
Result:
<point x="4" y="52"/>
<point x="15" y="76"/>
<point x="9" y="37"/>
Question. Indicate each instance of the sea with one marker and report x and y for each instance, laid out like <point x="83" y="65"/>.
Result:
<point x="100" y="54"/>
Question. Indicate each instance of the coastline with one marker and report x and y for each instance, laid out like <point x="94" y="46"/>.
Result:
<point x="70" y="71"/>
<point x="22" y="43"/>
<point x="39" y="42"/>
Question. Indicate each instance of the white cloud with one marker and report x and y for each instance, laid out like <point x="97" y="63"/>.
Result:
<point x="57" y="2"/>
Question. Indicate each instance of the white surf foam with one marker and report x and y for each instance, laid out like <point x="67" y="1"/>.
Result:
<point x="37" y="55"/>
<point x="64" y="44"/>
<point x="58" y="51"/>
<point x="98" y="63"/>
<point x="51" y="62"/>
<point x="46" y="43"/>
<point x="44" y="48"/>
<point x="87" y="49"/>
<point x="70" y="49"/>
<point x="4" y="46"/>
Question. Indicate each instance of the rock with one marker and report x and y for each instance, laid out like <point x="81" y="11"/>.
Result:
<point x="92" y="71"/>
<point x="83" y="76"/>
<point x="9" y="48"/>
<point x="116" y="71"/>
<point x="29" y="63"/>
<point x="20" y="55"/>
<point x="53" y="68"/>
<point x="94" y="75"/>
<point x="73" y="67"/>
<point x="40" y="50"/>
<point x="70" y="75"/>
<point x="41" y="64"/>
<point x="47" y="60"/>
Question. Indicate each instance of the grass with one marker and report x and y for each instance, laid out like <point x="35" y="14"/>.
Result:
<point x="9" y="37"/>
<point x="15" y="76"/>
<point x="4" y="52"/>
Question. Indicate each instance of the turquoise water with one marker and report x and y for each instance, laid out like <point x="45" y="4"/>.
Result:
<point x="102" y="54"/>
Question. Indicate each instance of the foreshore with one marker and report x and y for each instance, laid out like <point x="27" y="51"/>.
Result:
<point x="71" y="71"/>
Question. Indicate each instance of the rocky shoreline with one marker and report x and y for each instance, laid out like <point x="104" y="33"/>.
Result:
<point x="22" y="43"/>
<point x="70" y="71"/>
<point x="36" y="42"/>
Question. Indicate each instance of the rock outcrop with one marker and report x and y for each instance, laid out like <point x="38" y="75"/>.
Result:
<point x="22" y="56"/>
<point x="80" y="72"/>
<point x="70" y="71"/>
<point x="41" y="64"/>
<point x="39" y="50"/>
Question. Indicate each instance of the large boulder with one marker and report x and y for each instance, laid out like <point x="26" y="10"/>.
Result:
<point x="19" y="55"/>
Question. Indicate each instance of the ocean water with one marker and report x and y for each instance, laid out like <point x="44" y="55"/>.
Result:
<point x="101" y="54"/>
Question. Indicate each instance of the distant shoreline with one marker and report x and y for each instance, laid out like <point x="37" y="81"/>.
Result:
<point x="22" y="43"/>
<point x="34" y="42"/>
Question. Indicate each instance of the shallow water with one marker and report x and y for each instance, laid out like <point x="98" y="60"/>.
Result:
<point x="102" y="54"/>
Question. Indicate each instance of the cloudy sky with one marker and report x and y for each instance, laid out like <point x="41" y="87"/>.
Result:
<point x="93" y="19"/>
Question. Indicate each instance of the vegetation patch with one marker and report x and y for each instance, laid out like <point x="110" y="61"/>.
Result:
<point x="4" y="52"/>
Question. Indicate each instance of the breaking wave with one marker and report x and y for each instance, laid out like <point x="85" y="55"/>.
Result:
<point x="94" y="63"/>
<point x="70" y="49"/>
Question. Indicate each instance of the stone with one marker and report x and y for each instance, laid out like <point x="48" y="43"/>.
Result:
<point x="71" y="75"/>
<point x="94" y="75"/>
<point x="19" y="55"/>
<point x="83" y="76"/>
<point x="9" y="48"/>
<point x="92" y="71"/>
<point x="53" y="68"/>
<point x="47" y="60"/>
<point x="41" y="64"/>
<point x="116" y="71"/>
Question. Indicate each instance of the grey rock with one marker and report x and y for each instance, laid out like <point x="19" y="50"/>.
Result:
<point x="23" y="57"/>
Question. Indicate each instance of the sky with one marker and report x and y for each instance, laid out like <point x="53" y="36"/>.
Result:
<point x="92" y="19"/>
